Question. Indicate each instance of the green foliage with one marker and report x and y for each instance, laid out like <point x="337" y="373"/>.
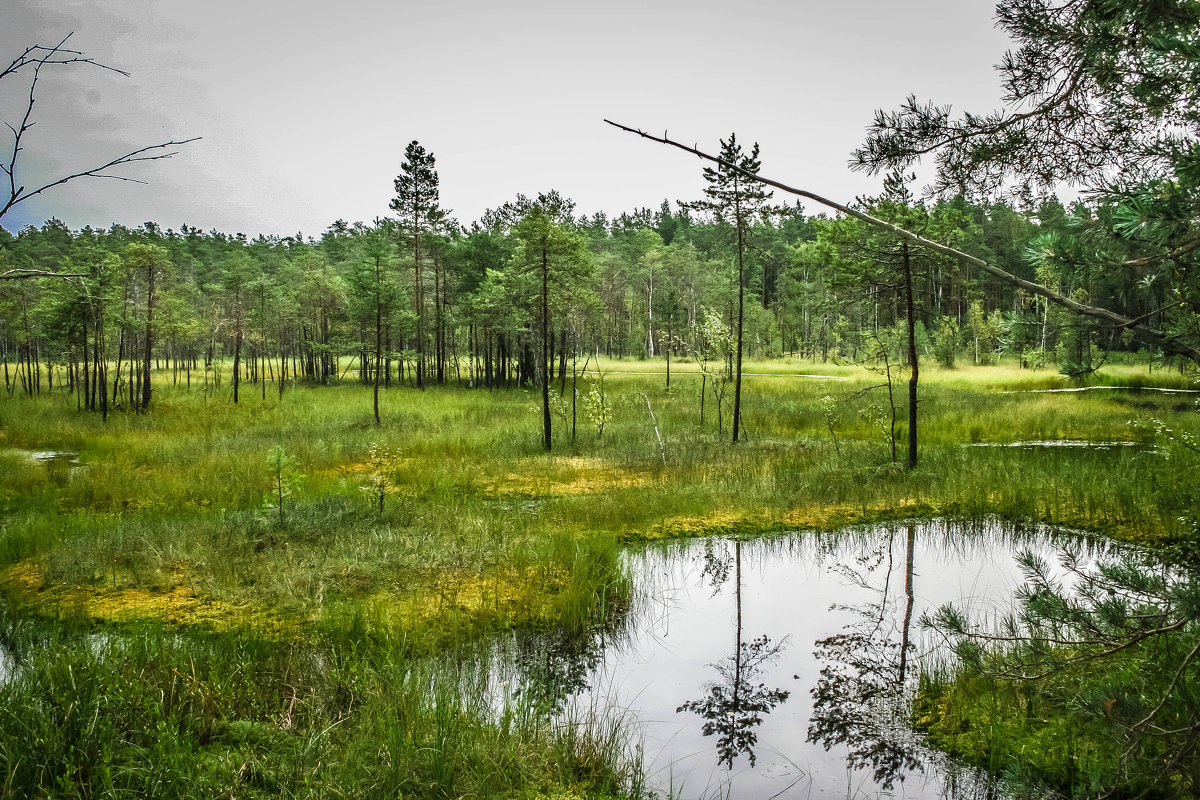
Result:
<point x="1103" y="93"/>
<point x="136" y="713"/>
<point x="1076" y="351"/>
<point x="1094" y="683"/>
<point x="380" y="481"/>
<point x="984" y="332"/>
<point x="829" y="414"/>
<point x="946" y="342"/>
<point x="714" y="349"/>
<point x="595" y="406"/>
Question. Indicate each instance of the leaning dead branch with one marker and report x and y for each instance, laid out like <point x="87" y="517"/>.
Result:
<point x="17" y="274"/>
<point x="1169" y="344"/>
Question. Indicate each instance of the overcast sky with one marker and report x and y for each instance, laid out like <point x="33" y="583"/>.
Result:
<point x="305" y="107"/>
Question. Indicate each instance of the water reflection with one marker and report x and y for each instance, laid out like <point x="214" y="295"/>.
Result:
<point x="554" y="666"/>
<point x="860" y="700"/>
<point x="734" y="706"/>
<point x="783" y="666"/>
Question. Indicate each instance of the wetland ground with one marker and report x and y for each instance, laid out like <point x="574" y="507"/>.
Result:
<point x="208" y="599"/>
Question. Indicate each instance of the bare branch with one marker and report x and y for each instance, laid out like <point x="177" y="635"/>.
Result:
<point x="132" y="157"/>
<point x="57" y="55"/>
<point x="34" y="58"/>
<point x="1167" y="342"/>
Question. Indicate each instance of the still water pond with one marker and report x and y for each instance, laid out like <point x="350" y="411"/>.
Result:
<point x="785" y="666"/>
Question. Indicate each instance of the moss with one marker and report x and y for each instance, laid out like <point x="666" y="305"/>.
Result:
<point x="812" y="517"/>
<point x="465" y="602"/>
<point x="558" y="476"/>
<point x="175" y="604"/>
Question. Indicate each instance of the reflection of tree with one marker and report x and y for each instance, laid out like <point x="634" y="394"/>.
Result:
<point x="716" y="565"/>
<point x="859" y="701"/>
<point x="735" y="705"/>
<point x="554" y="664"/>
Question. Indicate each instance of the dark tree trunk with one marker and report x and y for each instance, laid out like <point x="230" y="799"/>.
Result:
<point x="737" y="385"/>
<point x="237" y="353"/>
<point x="149" y="337"/>
<point x="912" y="360"/>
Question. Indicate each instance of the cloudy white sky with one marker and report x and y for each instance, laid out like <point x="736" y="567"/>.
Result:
<point x="305" y="107"/>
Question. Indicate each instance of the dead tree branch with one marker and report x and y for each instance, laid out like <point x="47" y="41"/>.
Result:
<point x="16" y="274"/>
<point x="1169" y="344"/>
<point x="32" y="60"/>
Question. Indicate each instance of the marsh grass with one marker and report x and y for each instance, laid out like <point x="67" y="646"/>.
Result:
<point x="340" y="621"/>
<point x="196" y="714"/>
<point x="183" y="496"/>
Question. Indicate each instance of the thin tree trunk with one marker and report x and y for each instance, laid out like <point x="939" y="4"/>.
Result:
<point x="737" y="385"/>
<point x="378" y="336"/>
<point x="545" y="349"/>
<point x="237" y="348"/>
<point x="149" y="337"/>
<point x="912" y="360"/>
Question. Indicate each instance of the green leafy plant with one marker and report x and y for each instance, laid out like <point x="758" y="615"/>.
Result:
<point x="945" y="341"/>
<point x="595" y="406"/>
<point x="380" y="480"/>
<point x="829" y="412"/>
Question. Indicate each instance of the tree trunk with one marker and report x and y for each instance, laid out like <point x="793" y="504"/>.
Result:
<point x="149" y="337"/>
<point x="378" y="336"/>
<point x="737" y="385"/>
<point x="545" y="349"/>
<point x="912" y="360"/>
<point x="237" y="350"/>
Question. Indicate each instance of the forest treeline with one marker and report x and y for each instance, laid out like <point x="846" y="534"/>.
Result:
<point x="419" y="298"/>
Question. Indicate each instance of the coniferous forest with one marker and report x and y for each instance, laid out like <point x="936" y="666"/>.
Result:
<point x="550" y="504"/>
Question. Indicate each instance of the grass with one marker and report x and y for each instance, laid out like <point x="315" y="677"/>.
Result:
<point x="171" y="523"/>
<point x="198" y="714"/>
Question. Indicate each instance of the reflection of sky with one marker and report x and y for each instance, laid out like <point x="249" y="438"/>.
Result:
<point x="788" y="585"/>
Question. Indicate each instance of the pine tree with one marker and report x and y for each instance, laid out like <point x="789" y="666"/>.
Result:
<point x="416" y="203"/>
<point x="550" y="247"/>
<point x="734" y="200"/>
<point x="1099" y="95"/>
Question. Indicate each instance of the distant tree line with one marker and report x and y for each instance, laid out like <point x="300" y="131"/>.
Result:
<point x="511" y="298"/>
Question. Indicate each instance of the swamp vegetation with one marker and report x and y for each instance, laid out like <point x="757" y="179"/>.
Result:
<point x="411" y="583"/>
<point x="280" y="598"/>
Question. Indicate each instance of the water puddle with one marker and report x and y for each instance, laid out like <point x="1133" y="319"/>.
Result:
<point x="1078" y="389"/>
<point x="784" y="666"/>
<point x="69" y="458"/>
<point x="691" y="373"/>
<point x="1065" y="443"/>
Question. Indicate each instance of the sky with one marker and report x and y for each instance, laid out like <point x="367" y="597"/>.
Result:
<point x="305" y="107"/>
